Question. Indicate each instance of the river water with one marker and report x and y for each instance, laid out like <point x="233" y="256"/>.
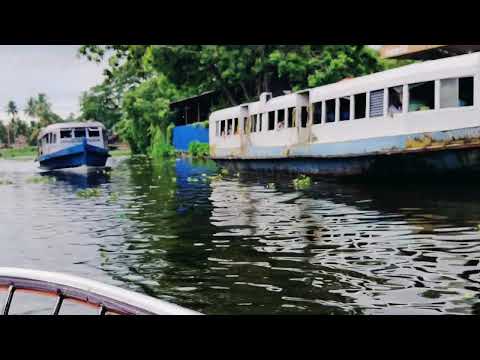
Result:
<point x="248" y="243"/>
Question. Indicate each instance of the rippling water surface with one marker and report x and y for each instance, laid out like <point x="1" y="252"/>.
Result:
<point x="247" y="243"/>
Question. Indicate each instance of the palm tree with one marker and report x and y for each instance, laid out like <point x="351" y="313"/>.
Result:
<point x="12" y="111"/>
<point x="31" y="108"/>
<point x="43" y="110"/>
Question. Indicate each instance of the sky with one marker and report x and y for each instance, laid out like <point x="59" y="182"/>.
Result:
<point x="56" y="70"/>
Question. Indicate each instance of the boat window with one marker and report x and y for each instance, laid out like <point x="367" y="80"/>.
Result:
<point x="235" y="126"/>
<point x="65" y="134"/>
<point x="271" y="120"/>
<point x="229" y="126"/>
<point x="465" y="91"/>
<point x="360" y="106"/>
<point x="222" y="128"/>
<point x="304" y="116"/>
<point x="317" y="113"/>
<point x="422" y="96"/>
<point x="456" y="92"/>
<point x="291" y="117"/>
<point x="94" y="132"/>
<point x="79" y="132"/>
<point x="345" y="108"/>
<point x="54" y="139"/>
<point x="260" y="121"/>
<point x="330" y="110"/>
<point x="376" y="103"/>
<point x="217" y="128"/>
<point x="253" y="124"/>
<point x="281" y="119"/>
<point x="395" y="100"/>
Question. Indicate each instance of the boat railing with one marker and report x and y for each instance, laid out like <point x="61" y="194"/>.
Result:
<point x="106" y="298"/>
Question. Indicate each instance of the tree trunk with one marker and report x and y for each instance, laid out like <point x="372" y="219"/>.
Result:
<point x="224" y="88"/>
<point x="266" y="87"/>
<point x="228" y="94"/>
<point x="8" y="135"/>
<point x="245" y="92"/>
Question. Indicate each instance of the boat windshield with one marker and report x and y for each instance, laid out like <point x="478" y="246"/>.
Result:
<point x="79" y="132"/>
<point x="65" y="133"/>
<point x="93" y="132"/>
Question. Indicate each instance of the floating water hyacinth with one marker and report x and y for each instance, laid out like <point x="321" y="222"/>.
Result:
<point x="88" y="193"/>
<point x="215" y="177"/>
<point x="302" y="182"/>
<point x="224" y="172"/>
<point x="113" y="197"/>
<point x="41" y="180"/>
<point x="5" y="182"/>
<point x="270" y="186"/>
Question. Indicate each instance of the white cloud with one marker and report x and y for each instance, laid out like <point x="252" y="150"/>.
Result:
<point x="26" y="70"/>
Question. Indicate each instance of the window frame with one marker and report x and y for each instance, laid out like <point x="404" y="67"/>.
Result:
<point x="436" y="95"/>
<point x="314" y="110"/>
<point x="458" y="78"/>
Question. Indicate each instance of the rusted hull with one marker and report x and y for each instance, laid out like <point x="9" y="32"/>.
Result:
<point x="458" y="161"/>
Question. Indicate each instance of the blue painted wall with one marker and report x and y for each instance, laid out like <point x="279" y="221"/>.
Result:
<point x="184" y="135"/>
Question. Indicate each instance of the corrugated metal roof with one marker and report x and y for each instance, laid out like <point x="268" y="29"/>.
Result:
<point x="192" y="97"/>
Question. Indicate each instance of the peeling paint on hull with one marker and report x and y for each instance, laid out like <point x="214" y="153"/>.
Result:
<point x="422" y="154"/>
<point x="462" y="161"/>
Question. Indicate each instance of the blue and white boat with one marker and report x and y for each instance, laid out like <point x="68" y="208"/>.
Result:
<point x="69" y="145"/>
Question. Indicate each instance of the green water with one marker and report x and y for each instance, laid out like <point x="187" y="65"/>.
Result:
<point x="247" y="243"/>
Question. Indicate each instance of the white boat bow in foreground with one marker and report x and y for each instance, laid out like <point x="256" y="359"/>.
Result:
<point x="108" y="298"/>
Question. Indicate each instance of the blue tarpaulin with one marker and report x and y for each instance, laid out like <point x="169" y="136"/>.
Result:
<point x="184" y="135"/>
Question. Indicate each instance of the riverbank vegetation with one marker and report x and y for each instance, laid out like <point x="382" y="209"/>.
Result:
<point x="142" y="80"/>
<point x="19" y="132"/>
<point x="198" y="149"/>
<point x="27" y="152"/>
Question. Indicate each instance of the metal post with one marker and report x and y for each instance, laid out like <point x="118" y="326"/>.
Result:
<point x="58" y="305"/>
<point x="6" y="306"/>
<point x="102" y="311"/>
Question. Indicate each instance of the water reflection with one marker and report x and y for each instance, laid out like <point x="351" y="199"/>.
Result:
<point x="83" y="179"/>
<point x="240" y="245"/>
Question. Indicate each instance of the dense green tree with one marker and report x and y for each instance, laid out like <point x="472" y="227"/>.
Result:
<point x="40" y="109"/>
<point x="3" y="133"/>
<point x="101" y="104"/>
<point x="12" y="111"/>
<point x="146" y="114"/>
<point x="135" y="75"/>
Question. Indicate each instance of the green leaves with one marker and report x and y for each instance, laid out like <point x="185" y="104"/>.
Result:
<point x="143" y="79"/>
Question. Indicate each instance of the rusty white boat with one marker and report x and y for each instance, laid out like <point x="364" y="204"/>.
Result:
<point x="108" y="299"/>
<point x="419" y="119"/>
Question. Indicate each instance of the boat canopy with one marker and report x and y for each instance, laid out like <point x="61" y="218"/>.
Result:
<point x="70" y="125"/>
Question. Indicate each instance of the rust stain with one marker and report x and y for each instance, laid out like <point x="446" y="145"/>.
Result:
<point x="428" y="142"/>
<point x="213" y="150"/>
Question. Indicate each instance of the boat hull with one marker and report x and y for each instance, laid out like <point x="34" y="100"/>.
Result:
<point x="459" y="161"/>
<point x="82" y="154"/>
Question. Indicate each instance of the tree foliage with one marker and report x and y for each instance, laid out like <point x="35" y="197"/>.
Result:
<point x="140" y="80"/>
<point x="146" y="113"/>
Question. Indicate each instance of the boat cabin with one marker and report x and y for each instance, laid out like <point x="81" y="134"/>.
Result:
<point x="57" y="137"/>
<point x="365" y="115"/>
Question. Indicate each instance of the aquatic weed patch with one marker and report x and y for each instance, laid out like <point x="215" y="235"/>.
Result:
<point x="89" y="193"/>
<point x="113" y="197"/>
<point x="41" y="180"/>
<point x="6" y="182"/>
<point x="302" y="182"/>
